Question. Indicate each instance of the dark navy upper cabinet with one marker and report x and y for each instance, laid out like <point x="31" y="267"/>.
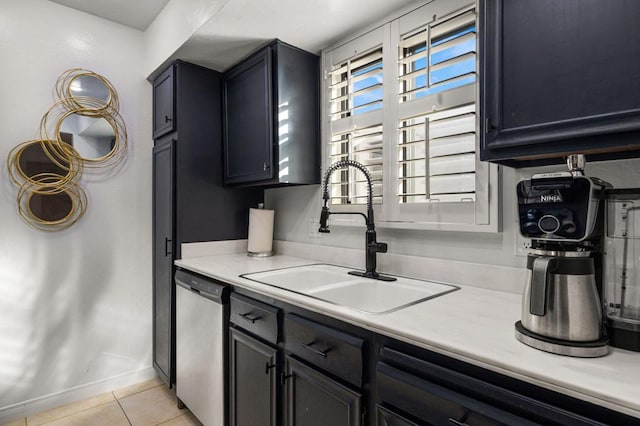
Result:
<point x="163" y="104"/>
<point x="272" y="118"/>
<point x="559" y="77"/>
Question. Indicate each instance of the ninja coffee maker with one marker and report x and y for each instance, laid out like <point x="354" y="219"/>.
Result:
<point x="562" y="213"/>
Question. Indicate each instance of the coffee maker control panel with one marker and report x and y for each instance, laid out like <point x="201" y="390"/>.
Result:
<point x="558" y="207"/>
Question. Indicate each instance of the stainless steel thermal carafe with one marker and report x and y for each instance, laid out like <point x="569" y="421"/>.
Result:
<point x="560" y="299"/>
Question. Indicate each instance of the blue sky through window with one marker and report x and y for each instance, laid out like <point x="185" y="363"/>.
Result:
<point x="450" y="72"/>
<point x="370" y="99"/>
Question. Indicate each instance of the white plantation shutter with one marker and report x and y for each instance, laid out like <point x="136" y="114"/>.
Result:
<point x="436" y="156"/>
<point x="437" y="73"/>
<point x="438" y="57"/>
<point x="401" y="99"/>
<point x="364" y="145"/>
<point x="356" y="99"/>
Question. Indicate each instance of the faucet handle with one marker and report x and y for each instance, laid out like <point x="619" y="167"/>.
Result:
<point x="324" y="217"/>
<point x="378" y="247"/>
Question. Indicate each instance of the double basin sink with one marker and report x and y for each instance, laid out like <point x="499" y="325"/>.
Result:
<point x="333" y="284"/>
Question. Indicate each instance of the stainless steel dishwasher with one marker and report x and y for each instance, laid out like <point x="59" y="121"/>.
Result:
<point x="201" y="321"/>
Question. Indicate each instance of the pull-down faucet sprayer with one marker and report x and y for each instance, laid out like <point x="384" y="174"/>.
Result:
<point x="372" y="247"/>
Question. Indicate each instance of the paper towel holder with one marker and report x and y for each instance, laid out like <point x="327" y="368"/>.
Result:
<point x="260" y="245"/>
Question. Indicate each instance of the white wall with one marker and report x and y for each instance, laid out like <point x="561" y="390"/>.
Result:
<point x="296" y="207"/>
<point x="75" y="305"/>
<point x="175" y="24"/>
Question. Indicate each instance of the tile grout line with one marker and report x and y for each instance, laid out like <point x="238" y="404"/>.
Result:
<point x="69" y="415"/>
<point x="122" y="408"/>
<point x="135" y="393"/>
<point x="26" y="423"/>
<point x="172" y="418"/>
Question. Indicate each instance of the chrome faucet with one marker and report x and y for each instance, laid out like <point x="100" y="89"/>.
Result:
<point x="372" y="247"/>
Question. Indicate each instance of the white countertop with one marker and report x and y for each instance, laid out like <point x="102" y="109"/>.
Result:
<point x="472" y="324"/>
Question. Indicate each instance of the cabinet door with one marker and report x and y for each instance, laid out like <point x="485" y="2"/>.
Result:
<point x="248" y="127"/>
<point x="163" y="104"/>
<point x="252" y="381"/>
<point x="163" y="286"/>
<point x="552" y="85"/>
<point x="313" y="399"/>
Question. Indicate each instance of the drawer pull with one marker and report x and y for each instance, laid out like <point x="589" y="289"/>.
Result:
<point x="268" y="367"/>
<point x="284" y="377"/>
<point x="251" y="318"/>
<point x="310" y="348"/>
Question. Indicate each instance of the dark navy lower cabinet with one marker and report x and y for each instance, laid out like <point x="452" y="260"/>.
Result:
<point x="416" y="386"/>
<point x="386" y="417"/>
<point x="253" y="381"/>
<point x="313" y="370"/>
<point x="315" y="399"/>
<point x="559" y="77"/>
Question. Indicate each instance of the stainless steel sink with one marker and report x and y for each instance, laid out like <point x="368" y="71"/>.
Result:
<point x="333" y="284"/>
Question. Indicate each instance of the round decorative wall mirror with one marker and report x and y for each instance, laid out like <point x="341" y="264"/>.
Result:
<point x="81" y="89"/>
<point x="32" y="158"/>
<point x="50" y="208"/>
<point x="92" y="137"/>
<point x="90" y="86"/>
<point x="82" y="129"/>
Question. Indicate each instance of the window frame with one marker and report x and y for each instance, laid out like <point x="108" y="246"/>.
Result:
<point x="483" y="215"/>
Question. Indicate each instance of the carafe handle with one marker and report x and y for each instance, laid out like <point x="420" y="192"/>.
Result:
<point x="538" y="292"/>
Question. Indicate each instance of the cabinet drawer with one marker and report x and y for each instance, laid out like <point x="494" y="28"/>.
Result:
<point x="331" y="350"/>
<point x="255" y="317"/>
<point x="417" y="386"/>
<point x="435" y="404"/>
<point x="386" y="417"/>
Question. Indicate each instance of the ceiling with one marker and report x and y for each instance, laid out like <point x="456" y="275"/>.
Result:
<point x="138" y="14"/>
<point x="241" y="26"/>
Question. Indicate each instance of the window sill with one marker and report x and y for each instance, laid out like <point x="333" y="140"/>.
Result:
<point x="492" y="228"/>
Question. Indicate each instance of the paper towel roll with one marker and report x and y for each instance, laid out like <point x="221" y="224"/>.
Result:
<point x="260" y="232"/>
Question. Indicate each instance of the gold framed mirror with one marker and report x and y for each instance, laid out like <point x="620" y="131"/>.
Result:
<point x="78" y="88"/>
<point x="48" y="206"/>
<point x="83" y="129"/>
<point x="29" y="160"/>
<point x="95" y="139"/>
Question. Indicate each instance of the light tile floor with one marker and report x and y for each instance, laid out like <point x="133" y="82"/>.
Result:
<point x="144" y="404"/>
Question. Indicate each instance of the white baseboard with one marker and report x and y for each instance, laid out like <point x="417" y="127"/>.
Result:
<point x="78" y="393"/>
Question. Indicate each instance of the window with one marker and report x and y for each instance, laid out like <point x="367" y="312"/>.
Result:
<point x="402" y="101"/>
<point x="356" y="96"/>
